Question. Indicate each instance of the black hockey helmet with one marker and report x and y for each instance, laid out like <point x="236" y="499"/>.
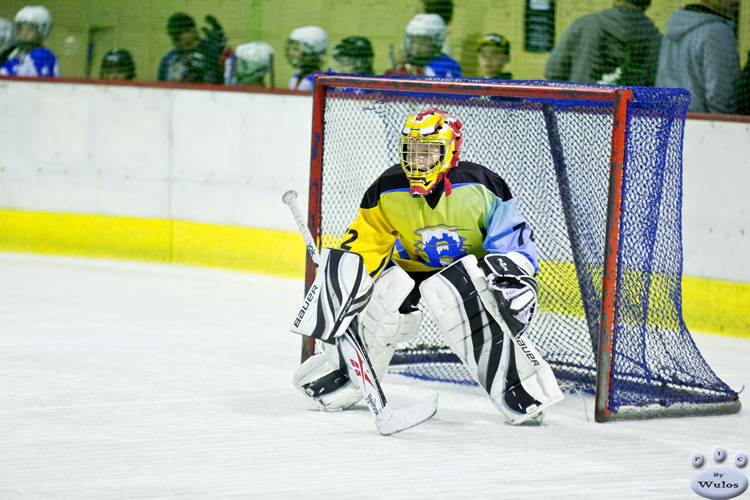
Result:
<point x="357" y="52"/>
<point x="118" y="59"/>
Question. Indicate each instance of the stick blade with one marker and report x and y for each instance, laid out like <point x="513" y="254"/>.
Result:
<point x="392" y="421"/>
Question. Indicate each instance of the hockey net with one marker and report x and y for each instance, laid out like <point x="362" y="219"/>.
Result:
<point x="597" y="172"/>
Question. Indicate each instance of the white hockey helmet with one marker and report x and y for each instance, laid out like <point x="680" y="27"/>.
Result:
<point x="423" y="26"/>
<point x="6" y="33"/>
<point x="312" y="40"/>
<point x="254" y="60"/>
<point x="37" y="15"/>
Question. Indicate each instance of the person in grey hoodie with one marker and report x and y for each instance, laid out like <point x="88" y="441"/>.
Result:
<point x="699" y="53"/>
<point x="619" y="45"/>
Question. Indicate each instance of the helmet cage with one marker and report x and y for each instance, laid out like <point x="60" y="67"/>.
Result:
<point x="421" y="58"/>
<point x="428" y="148"/>
<point x="36" y="15"/>
<point x="301" y="54"/>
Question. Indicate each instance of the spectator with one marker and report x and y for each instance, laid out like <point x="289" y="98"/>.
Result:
<point x="6" y="36"/>
<point x="26" y="56"/>
<point x="353" y="55"/>
<point x="493" y="53"/>
<point x="192" y="60"/>
<point x="216" y="37"/>
<point x="743" y="89"/>
<point x="422" y="44"/>
<point x="444" y="9"/>
<point x="249" y="64"/>
<point x="699" y="53"/>
<point x="619" y="45"/>
<point x="117" y="64"/>
<point x="305" y="49"/>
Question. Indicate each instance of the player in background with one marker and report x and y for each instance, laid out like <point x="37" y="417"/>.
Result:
<point x="193" y="60"/>
<point x="305" y="49"/>
<point x="493" y="53"/>
<point x="448" y="231"/>
<point x="6" y="36"/>
<point x="117" y="64"/>
<point x="443" y="8"/>
<point x="354" y="55"/>
<point x="249" y="64"/>
<point x="422" y="43"/>
<point x="26" y="56"/>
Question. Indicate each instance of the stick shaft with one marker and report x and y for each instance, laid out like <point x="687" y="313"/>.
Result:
<point x="312" y="248"/>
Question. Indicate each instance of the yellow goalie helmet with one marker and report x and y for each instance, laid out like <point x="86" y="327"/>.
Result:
<point x="430" y="145"/>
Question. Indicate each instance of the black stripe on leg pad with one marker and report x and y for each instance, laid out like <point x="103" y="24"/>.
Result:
<point x="460" y="279"/>
<point x="516" y="398"/>
<point x="486" y="335"/>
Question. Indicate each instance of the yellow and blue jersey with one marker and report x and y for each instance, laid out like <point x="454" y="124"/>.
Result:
<point x="426" y="234"/>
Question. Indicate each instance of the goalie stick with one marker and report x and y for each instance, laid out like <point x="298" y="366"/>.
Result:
<point x="387" y="420"/>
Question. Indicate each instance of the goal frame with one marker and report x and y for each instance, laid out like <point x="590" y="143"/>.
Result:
<point x="607" y="324"/>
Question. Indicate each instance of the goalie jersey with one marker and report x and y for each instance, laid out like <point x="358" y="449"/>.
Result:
<point x="425" y="234"/>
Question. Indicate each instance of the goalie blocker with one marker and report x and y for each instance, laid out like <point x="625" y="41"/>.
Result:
<point x="483" y="319"/>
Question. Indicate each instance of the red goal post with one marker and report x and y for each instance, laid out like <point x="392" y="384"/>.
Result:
<point x="577" y="132"/>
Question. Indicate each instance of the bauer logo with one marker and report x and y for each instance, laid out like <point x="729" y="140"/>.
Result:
<point x="719" y="481"/>
<point x="308" y="299"/>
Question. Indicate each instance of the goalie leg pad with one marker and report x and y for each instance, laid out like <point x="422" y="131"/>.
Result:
<point x="381" y="325"/>
<point x="519" y="382"/>
<point x="380" y="354"/>
<point x="341" y="290"/>
<point x="323" y="380"/>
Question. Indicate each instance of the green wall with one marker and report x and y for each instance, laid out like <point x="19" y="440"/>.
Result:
<point x="139" y="25"/>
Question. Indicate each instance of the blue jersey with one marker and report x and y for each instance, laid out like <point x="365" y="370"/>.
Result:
<point x="305" y="83"/>
<point x="198" y="66"/>
<point x="39" y="62"/>
<point x="443" y="67"/>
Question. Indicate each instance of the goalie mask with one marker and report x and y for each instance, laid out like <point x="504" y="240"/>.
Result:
<point x="430" y="145"/>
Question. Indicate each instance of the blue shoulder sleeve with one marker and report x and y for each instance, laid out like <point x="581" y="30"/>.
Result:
<point x="508" y="231"/>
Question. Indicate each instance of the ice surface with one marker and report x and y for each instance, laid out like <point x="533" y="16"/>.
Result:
<point x="136" y="380"/>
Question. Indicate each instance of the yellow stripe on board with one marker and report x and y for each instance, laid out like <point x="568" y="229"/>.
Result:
<point x="714" y="306"/>
<point x="255" y="250"/>
<point x="709" y="306"/>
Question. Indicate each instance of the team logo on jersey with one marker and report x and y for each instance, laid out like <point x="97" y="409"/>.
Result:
<point x="440" y="245"/>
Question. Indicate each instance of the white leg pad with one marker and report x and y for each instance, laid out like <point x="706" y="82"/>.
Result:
<point x="519" y="382"/>
<point x="381" y="326"/>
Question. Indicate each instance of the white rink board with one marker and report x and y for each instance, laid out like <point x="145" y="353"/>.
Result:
<point x="227" y="157"/>
<point x="213" y="157"/>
